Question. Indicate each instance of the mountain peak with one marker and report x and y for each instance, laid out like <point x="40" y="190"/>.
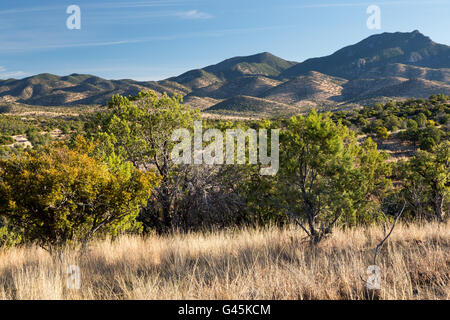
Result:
<point x="266" y="55"/>
<point x="391" y="40"/>
<point x="350" y="62"/>
<point x="263" y="57"/>
<point x="260" y="64"/>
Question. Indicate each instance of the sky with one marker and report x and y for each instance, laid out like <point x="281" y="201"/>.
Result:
<point x="154" y="40"/>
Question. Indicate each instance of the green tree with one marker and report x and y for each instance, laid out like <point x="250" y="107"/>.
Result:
<point x="433" y="170"/>
<point x="430" y="137"/>
<point x="327" y="175"/>
<point x="421" y="119"/>
<point x="382" y="133"/>
<point x="139" y="129"/>
<point x="5" y="140"/>
<point x="414" y="191"/>
<point x="56" y="195"/>
<point x="412" y="124"/>
<point x="393" y="122"/>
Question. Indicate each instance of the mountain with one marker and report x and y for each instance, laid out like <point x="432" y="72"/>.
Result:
<point x="262" y="64"/>
<point x="376" y="51"/>
<point x="75" y="89"/>
<point x="258" y="65"/>
<point x="381" y="67"/>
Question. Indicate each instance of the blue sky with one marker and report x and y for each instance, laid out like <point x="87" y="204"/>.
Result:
<point x="153" y="40"/>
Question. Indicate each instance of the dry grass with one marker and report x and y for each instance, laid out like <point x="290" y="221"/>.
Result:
<point x="245" y="264"/>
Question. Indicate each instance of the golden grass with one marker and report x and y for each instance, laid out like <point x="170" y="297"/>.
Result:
<point x="242" y="264"/>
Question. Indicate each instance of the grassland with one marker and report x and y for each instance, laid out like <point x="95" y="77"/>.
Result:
<point x="268" y="263"/>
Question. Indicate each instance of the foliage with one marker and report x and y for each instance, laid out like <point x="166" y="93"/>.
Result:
<point x="382" y="133"/>
<point x="8" y="238"/>
<point x="57" y="195"/>
<point x="413" y="114"/>
<point x="427" y="183"/>
<point x="327" y="176"/>
<point x="6" y="140"/>
<point x="11" y="125"/>
<point x="139" y="129"/>
<point x="37" y="138"/>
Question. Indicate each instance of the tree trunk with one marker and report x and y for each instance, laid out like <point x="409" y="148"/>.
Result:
<point x="315" y="236"/>
<point x="438" y="204"/>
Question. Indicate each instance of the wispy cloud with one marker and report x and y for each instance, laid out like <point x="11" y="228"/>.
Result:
<point x="362" y="4"/>
<point x="193" y="14"/>
<point x="27" y="10"/>
<point x="116" y="17"/>
<point x="114" y="12"/>
<point x="5" y="74"/>
<point x="21" y="47"/>
<point x="142" y="4"/>
<point x="104" y="5"/>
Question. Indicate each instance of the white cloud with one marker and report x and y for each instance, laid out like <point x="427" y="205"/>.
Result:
<point x="5" y="74"/>
<point x="117" y="17"/>
<point x="193" y="14"/>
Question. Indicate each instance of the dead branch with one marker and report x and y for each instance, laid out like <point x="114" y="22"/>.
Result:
<point x="293" y="218"/>
<point x="388" y="235"/>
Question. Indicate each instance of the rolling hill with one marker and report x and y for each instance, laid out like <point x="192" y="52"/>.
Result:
<point x="383" y="66"/>
<point x="75" y="89"/>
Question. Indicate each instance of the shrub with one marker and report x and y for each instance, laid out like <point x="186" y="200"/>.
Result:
<point x="57" y="195"/>
<point x="5" y="140"/>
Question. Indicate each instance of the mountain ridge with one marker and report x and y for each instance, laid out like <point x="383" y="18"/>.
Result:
<point x="383" y="65"/>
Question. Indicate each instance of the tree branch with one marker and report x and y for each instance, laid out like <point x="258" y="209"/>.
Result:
<point x="388" y="235"/>
<point x="291" y="215"/>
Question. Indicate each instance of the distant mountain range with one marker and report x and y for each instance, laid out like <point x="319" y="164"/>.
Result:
<point x="381" y="67"/>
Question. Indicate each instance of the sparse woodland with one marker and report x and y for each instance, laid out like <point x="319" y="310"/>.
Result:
<point x="103" y="194"/>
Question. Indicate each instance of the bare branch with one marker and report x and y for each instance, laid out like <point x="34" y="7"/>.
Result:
<point x="388" y="235"/>
<point x="291" y="215"/>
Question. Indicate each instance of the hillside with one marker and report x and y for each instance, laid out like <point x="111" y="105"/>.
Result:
<point x="409" y="72"/>
<point x="246" y="85"/>
<point x="378" y="50"/>
<point x="253" y="106"/>
<point x="75" y="89"/>
<point x="312" y="86"/>
<point x="383" y="66"/>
